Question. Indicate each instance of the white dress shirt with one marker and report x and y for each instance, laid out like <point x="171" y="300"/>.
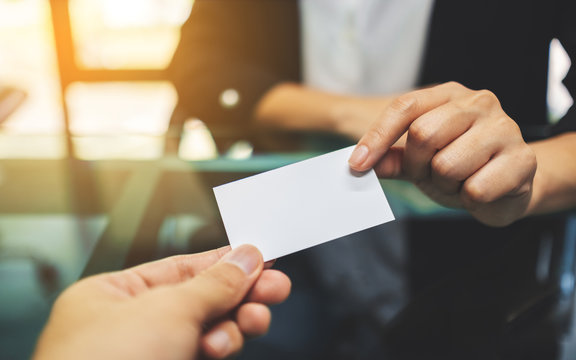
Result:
<point x="365" y="47"/>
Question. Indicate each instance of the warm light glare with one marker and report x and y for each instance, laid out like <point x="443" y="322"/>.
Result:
<point x="28" y="62"/>
<point x="197" y="142"/>
<point x="124" y="147"/>
<point x="229" y="98"/>
<point x="120" y="108"/>
<point x="122" y="34"/>
<point x="108" y="34"/>
<point x="32" y="146"/>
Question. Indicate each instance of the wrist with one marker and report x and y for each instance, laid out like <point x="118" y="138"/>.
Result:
<point x="554" y="181"/>
<point x="538" y="189"/>
<point x="541" y="184"/>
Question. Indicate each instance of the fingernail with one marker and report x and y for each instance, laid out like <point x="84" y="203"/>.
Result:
<point x="245" y="257"/>
<point x="219" y="341"/>
<point x="359" y="155"/>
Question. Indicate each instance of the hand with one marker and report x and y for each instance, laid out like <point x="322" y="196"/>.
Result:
<point x="458" y="146"/>
<point x="182" y="307"/>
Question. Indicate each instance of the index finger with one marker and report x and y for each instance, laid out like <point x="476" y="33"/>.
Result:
<point x="395" y="121"/>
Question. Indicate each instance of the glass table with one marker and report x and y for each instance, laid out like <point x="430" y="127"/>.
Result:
<point x="63" y="219"/>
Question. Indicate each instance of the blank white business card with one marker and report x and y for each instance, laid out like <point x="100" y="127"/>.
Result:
<point x="301" y="205"/>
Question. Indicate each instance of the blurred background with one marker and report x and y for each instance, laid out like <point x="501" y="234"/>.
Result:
<point x="89" y="165"/>
<point x="102" y="46"/>
<point x="79" y="80"/>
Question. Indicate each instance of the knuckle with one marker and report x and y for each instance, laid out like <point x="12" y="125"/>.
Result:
<point x="181" y="264"/>
<point x="443" y="166"/>
<point x="454" y="85"/>
<point x="474" y="193"/>
<point x="405" y="104"/>
<point x="484" y="98"/>
<point x="420" y="133"/>
<point x="505" y="130"/>
<point x="508" y="126"/>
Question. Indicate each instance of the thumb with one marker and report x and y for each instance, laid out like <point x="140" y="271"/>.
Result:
<point x="222" y="286"/>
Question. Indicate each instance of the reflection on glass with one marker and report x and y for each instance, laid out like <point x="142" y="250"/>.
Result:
<point x="27" y="146"/>
<point x="240" y="150"/>
<point x="120" y="108"/>
<point x="197" y="142"/>
<point x="120" y="34"/>
<point x="120" y="120"/>
<point x="40" y="254"/>
<point x="65" y="242"/>
<point x="176" y="232"/>
<point x="128" y="147"/>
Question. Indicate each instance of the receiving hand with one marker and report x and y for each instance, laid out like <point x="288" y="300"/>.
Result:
<point x="183" y="307"/>
<point x="458" y="146"/>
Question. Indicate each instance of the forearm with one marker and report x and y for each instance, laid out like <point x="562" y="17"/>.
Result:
<point x="296" y="107"/>
<point x="555" y="179"/>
